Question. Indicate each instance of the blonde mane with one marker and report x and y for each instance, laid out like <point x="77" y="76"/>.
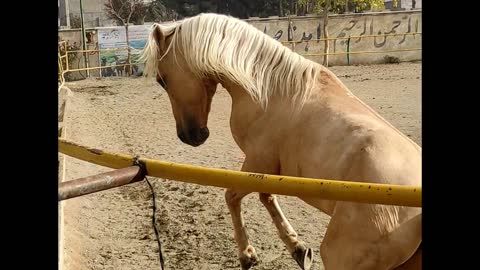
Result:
<point x="221" y="45"/>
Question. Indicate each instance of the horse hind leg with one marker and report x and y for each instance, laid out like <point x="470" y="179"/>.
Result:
<point x="302" y="255"/>
<point x="414" y="262"/>
<point x="246" y="252"/>
<point x="352" y="242"/>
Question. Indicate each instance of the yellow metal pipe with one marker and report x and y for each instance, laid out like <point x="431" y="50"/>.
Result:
<point x="320" y="54"/>
<point x="66" y="59"/>
<point x="364" y="36"/>
<point x="90" y="68"/>
<point x="398" y="50"/>
<point x="360" y="52"/>
<point x="316" y="39"/>
<point x="274" y="184"/>
<point x="60" y="68"/>
<point x="62" y="80"/>
<point x="387" y="35"/>
<point x="60" y="65"/>
<point x="102" y="50"/>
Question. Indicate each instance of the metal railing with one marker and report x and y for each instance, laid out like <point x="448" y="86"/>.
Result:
<point x="361" y="192"/>
<point x="349" y="52"/>
<point x="63" y="70"/>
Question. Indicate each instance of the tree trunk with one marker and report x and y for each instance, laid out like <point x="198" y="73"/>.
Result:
<point x="129" y="70"/>
<point x="325" y="33"/>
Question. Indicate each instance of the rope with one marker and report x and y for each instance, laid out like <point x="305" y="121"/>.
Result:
<point x="154" y="224"/>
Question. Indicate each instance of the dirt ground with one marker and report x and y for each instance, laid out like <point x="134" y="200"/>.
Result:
<point x="112" y="229"/>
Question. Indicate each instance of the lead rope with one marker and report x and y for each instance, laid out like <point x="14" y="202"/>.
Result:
<point x="154" y="224"/>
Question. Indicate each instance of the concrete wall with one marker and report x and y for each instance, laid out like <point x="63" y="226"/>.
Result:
<point x="306" y="28"/>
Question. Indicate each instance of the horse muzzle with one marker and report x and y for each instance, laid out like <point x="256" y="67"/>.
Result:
<point x="194" y="136"/>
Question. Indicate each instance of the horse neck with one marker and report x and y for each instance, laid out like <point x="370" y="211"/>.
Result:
<point x="246" y="112"/>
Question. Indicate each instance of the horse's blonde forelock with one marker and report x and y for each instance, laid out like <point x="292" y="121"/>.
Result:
<point x="221" y="45"/>
<point x="150" y="54"/>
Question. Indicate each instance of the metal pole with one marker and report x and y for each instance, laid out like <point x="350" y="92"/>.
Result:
<point x="99" y="182"/>
<point x="66" y="57"/>
<point x="67" y="13"/>
<point x="84" y="41"/>
<point x="360" y="192"/>
<point x="348" y="51"/>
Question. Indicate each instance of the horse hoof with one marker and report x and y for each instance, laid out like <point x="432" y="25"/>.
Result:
<point x="249" y="262"/>
<point x="303" y="256"/>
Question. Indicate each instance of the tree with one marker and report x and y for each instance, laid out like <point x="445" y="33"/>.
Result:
<point x="237" y="8"/>
<point x="75" y="21"/>
<point x="188" y="8"/>
<point x="124" y="12"/>
<point x="337" y="6"/>
<point x="158" y="12"/>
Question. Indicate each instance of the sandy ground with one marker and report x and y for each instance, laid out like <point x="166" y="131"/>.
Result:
<point x="112" y="229"/>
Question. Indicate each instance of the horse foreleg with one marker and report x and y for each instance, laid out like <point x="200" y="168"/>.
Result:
<point x="246" y="253"/>
<point x="302" y="255"/>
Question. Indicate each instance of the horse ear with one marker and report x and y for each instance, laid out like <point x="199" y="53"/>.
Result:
<point x="159" y="37"/>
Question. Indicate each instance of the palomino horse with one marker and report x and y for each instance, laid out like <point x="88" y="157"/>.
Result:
<point x="290" y="116"/>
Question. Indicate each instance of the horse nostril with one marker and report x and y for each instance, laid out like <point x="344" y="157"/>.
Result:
<point x="181" y="136"/>
<point x="194" y="137"/>
<point x="204" y="133"/>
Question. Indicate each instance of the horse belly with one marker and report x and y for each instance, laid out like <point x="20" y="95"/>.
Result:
<point x="295" y="169"/>
<point x="325" y="206"/>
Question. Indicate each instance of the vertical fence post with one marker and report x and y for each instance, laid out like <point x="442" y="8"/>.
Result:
<point x="348" y="51"/>
<point x="66" y="57"/>
<point x="84" y="46"/>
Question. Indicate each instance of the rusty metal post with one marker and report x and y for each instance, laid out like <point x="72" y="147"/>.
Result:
<point x="99" y="182"/>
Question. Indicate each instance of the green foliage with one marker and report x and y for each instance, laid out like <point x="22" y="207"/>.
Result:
<point x="158" y="11"/>
<point x="236" y="8"/>
<point x="126" y="11"/>
<point x="75" y="21"/>
<point x="166" y="10"/>
<point x="339" y="6"/>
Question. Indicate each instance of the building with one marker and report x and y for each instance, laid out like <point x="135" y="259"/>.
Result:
<point x="93" y="13"/>
<point x="403" y="4"/>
